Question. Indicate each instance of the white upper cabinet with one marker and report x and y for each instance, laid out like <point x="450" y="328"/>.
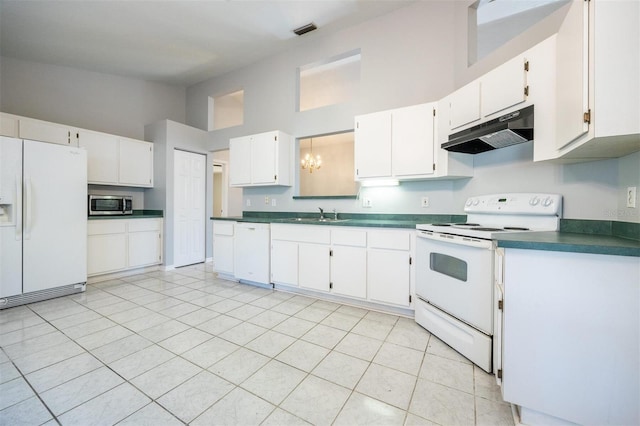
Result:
<point x="412" y="133"/>
<point x="595" y="100"/>
<point x="136" y="163"/>
<point x="373" y="145"/>
<point x="464" y="105"/>
<point x="44" y="131"/>
<point x="261" y="160"/>
<point x="504" y="87"/>
<point x="9" y="125"/>
<point x="114" y="160"/>
<point x="102" y="156"/>
<point x="404" y="144"/>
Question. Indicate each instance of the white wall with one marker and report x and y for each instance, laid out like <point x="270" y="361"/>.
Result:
<point x="89" y="100"/>
<point x="628" y="175"/>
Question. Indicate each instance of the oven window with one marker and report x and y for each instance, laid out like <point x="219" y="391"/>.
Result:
<point x="449" y="265"/>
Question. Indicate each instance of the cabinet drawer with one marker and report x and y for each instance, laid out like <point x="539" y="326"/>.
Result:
<point x="140" y="225"/>
<point x="350" y="237"/>
<point x="223" y="228"/>
<point x="101" y="227"/>
<point x="393" y="240"/>
<point x="301" y="233"/>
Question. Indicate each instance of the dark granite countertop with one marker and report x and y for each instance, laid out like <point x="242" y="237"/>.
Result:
<point x="137" y="214"/>
<point x="580" y="236"/>
<point x="345" y="219"/>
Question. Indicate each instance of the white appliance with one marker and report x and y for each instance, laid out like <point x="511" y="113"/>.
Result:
<point x="43" y="221"/>
<point x="455" y="267"/>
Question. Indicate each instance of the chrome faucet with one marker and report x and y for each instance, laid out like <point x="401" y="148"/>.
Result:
<point x="335" y="214"/>
<point x="321" y="213"/>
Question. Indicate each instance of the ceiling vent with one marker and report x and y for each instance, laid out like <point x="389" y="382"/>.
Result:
<point x="305" y="29"/>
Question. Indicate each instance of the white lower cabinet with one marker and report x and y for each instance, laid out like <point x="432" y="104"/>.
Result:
<point x="115" y="245"/>
<point x="251" y="252"/>
<point x="223" y="247"/>
<point x="363" y="264"/>
<point x="349" y="262"/>
<point x="313" y="266"/>
<point x="389" y="267"/>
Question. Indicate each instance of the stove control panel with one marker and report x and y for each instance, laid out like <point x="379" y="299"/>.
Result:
<point x="516" y="203"/>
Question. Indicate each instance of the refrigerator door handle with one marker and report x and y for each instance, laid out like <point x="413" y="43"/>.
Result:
<point x="18" y="204"/>
<point x="28" y="209"/>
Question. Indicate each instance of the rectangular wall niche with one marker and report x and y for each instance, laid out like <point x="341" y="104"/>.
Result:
<point x="329" y="82"/>
<point x="226" y="110"/>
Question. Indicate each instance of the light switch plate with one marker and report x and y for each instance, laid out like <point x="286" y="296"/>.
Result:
<point x="248" y="202"/>
<point x="425" y="202"/>
<point x="366" y="202"/>
<point x="273" y="202"/>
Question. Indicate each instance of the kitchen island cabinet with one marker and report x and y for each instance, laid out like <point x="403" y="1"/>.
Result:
<point x="571" y="335"/>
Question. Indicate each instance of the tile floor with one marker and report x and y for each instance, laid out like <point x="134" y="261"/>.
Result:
<point x="169" y="348"/>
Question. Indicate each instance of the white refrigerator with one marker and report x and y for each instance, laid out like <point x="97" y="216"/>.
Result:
<point x="43" y="221"/>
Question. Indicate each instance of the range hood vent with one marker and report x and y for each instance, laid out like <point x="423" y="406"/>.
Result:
<point x="510" y="129"/>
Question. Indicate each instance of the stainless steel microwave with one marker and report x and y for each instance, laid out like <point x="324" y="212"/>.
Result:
<point x="100" y="205"/>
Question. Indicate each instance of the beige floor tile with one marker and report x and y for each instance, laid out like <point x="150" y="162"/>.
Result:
<point x="163" y="378"/>
<point x="455" y="374"/>
<point x="243" y="333"/>
<point x="274" y="381"/>
<point x="14" y="391"/>
<point x="270" y="343"/>
<point x="340" y="321"/>
<point x="238" y="407"/>
<point x="280" y="417"/>
<point x="268" y="319"/>
<point x="210" y="352"/>
<point x="362" y="410"/>
<point x="62" y="372"/>
<point x="493" y="413"/>
<point x="342" y="369"/>
<point x="400" y="358"/>
<point x="239" y="366"/>
<point x="303" y="355"/>
<point x="219" y="324"/>
<point x="388" y="385"/>
<point x="121" y="348"/>
<point x="441" y="404"/>
<point x="322" y="335"/>
<point x="141" y="361"/>
<point x="409" y="335"/>
<point x="151" y="415"/>
<point x="375" y="329"/>
<point x="198" y="316"/>
<point x="441" y="349"/>
<point x="295" y="327"/>
<point x="28" y="412"/>
<point x="185" y="340"/>
<point x="359" y="346"/>
<point x="316" y="400"/>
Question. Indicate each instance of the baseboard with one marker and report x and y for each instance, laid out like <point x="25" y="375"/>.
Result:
<point x="121" y="274"/>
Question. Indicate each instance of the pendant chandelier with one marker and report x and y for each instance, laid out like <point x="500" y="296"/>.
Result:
<point x="311" y="162"/>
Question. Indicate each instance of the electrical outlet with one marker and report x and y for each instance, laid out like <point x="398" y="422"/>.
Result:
<point x="631" y="196"/>
<point x="425" y="202"/>
<point x="266" y="200"/>
<point x="273" y="202"/>
<point x="248" y="203"/>
<point x="366" y="202"/>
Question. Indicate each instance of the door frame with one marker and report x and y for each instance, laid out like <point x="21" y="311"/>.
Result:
<point x="225" y="186"/>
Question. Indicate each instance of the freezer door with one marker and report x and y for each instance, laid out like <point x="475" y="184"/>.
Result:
<point x="55" y="216"/>
<point x="10" y="217"/>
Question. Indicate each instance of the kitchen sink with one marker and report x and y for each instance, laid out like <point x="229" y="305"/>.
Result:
<point x="316" y="219"/>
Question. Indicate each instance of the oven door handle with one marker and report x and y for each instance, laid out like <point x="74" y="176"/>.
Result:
<point x="457" y="239"/>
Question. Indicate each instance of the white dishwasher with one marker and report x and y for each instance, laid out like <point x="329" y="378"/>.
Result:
<point x="252" y="252"/>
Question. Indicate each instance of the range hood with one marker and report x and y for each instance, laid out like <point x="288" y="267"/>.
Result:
<point x="510" y="129"/>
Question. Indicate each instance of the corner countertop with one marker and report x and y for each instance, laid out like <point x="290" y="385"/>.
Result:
<point x="345" y="219"/>
<point x="580" y="236"/>
<point x="137" y="214"/>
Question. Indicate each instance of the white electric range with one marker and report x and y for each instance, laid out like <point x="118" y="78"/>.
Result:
<point x="455" y="267"/>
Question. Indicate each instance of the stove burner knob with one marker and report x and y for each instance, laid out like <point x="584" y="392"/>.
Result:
<point x="547" y="202"/>
<point x="476" y="202"/>
<point x="534" y="201"/>
<point x="469" y="201"/>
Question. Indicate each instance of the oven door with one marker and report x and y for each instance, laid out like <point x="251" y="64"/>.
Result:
<point x="455" y="274"/>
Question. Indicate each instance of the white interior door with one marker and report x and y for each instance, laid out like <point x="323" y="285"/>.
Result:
<point x="189" y="226"/>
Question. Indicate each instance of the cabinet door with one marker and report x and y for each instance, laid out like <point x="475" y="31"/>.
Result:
<point x="223" y="254"/>
<point x="349" y="271"/>
<point x="106" y="253"/>
<point x="388" y="276"/>
<point x="136" y="162"/>
<point x="313" y="266"/>
<point x="412" y="139"/>
<point x="464" y="105"/>
<point x="144" y="248"/>
<point x="372" y="146"/>
<point x="43" y="131"/>
<point x="102" y="156"/>
<point x="240" y="161"/>
<point x="263" y="158"/>
<point x="284" y="262"/>
<point x="504" y="87"/>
